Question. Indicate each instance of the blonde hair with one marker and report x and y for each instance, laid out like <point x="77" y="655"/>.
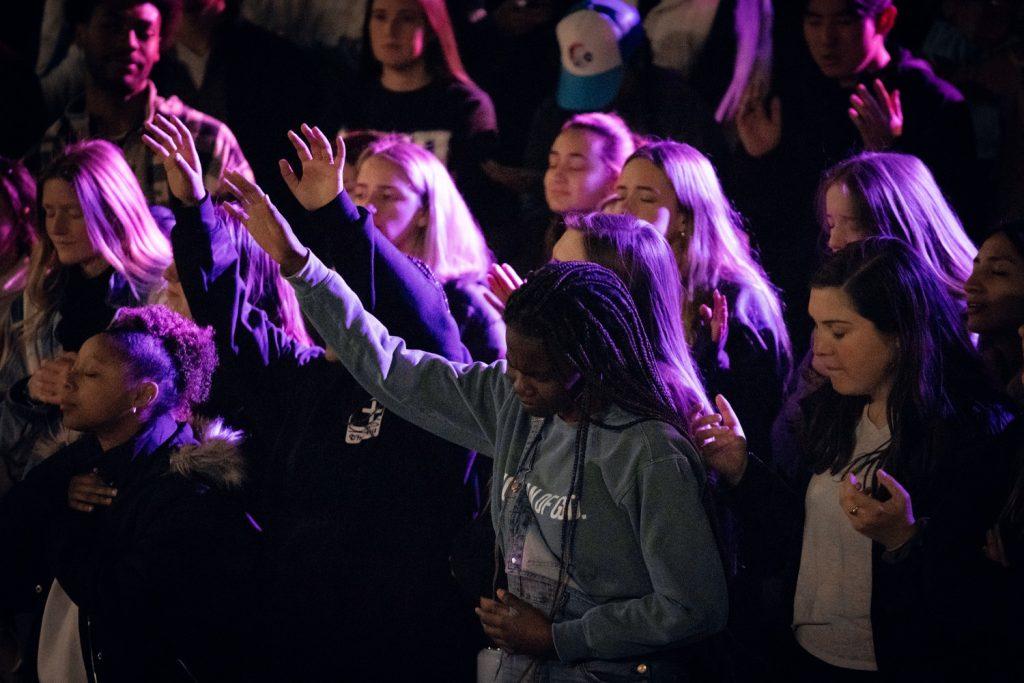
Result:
<point x="718" y="251"/>
<point x="117" y="220"/>
<point x="451" y="244"/>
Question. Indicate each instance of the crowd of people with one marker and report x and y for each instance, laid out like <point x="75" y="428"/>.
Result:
<point x="512" y="340"/>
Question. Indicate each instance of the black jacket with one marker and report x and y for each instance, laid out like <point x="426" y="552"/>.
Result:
<point x="360" y="507"/>
<point x="161" y="578"/>
<point x="931" y="607"/>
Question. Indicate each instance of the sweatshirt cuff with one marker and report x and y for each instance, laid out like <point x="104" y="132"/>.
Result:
<point x="570" y="641"/>
<point x="311" y="275"/>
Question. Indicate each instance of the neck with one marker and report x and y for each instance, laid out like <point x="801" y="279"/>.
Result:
<point x="876" y="63"/>
<point x="113" y="114"/>
<point x="879" y="404"/>
<point x="196" y="31"/>
<point x="118" y="433"/>
<point x="94" y="268"/>
<point x="407" y="78"/>
<point x="1003" y="349"/>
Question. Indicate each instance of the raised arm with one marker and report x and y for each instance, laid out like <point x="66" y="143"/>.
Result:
<point x="461" y="403"/>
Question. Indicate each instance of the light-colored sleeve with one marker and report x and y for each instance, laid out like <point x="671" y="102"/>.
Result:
<point x="689" y="600"/>
<point x="459" y="402"/>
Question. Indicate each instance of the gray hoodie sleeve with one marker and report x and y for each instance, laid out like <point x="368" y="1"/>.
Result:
<point x="689" y="600"/>
<point x="456" y="401"/>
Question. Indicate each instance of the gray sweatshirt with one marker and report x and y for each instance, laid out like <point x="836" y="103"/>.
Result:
<point x="644" y="553"/>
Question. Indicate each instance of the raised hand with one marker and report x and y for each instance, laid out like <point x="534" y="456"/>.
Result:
<point x="86" y="491"/>
<point x="46" y="385"/>
<point x="172" y="142"/>
<point x="890" y="523"/>
<point x="877" y="115"/>
<point x="721" y="441"/>
<point x="322" y="169"/>
<point x="502" y="279"/>
<point x="515" y="625"/>
<point x="717" y="318"/>
<point x="759" y="127"/>
<point x="265" y="223"/>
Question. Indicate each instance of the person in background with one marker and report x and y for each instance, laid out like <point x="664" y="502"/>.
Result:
<point x="131" y="545"/>
<point x="731" y="311"/>
<point x="99" y="249"/>
<point x="418" y="208"/>
<point x="323" y="452"/>
<point x="881" y="589"/>
<point x="878" y="194"/>
<point x="995" y="305"/>
<point x="413" y="82"/>
<point x="121" y="42"/>
<point x="866" y="95"/>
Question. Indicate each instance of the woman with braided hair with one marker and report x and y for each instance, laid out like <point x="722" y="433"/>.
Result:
<point x="597" y="498"/>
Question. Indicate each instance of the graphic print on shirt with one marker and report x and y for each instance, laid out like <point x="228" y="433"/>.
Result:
<point x="364" y="424"/>
<point x="544" y="504"/>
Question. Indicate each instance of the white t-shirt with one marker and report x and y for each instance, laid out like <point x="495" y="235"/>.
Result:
<point x="678" y="30"/>
<point x="832" y="608"/>
<point x="60" y="645"/>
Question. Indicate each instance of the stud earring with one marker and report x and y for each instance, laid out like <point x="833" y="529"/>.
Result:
<point x="133" y="410"/>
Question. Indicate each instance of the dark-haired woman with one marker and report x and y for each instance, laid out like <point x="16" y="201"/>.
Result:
<point x="146" y="578"/>
<point x="598" y="499"/>
<point x="414" y="82"/>
<point x="907" y="413"/>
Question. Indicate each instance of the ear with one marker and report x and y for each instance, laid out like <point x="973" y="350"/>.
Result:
<point x="145" y="395"/>
<point x="886" y="20"/>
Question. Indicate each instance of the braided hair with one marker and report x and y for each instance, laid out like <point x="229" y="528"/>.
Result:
<point x="164" y="347"/>
<point x="587" y="324"/>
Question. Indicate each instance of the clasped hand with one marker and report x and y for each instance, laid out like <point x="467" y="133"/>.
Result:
<point x="515" y="625"/>
<point x="890" y="523"/>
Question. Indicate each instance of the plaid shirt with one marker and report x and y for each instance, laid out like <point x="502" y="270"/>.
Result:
<point x="216" y="144"/>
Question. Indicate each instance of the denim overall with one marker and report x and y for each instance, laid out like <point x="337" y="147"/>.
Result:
<point x="517" y="522"/>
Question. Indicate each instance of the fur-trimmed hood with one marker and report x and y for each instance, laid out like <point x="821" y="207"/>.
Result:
<point x="216" y="458"/>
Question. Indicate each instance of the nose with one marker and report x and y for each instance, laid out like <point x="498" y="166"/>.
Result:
<point x="59" y="223"/>
<point x="972" y="286"/>
<point x="820" y="346"/>
<point x="835" y="240"/>
<point x="393" y="27"/>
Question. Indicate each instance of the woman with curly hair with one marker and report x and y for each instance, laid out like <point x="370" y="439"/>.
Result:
<point x="148" y="566"/>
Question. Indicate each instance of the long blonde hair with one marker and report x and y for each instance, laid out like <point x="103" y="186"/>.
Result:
<point x="117" y="220"/>
<point x="451" y="244"/>
<point x="718" y="251"/>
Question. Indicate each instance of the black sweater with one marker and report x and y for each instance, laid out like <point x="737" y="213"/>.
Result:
<point x="359" y="506"/>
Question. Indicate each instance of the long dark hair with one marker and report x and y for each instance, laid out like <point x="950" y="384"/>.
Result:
<point x="587" y="323"/>
<point x="937" y="374"/>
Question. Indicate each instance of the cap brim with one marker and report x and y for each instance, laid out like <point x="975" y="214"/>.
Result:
<point x="588" y="93"/>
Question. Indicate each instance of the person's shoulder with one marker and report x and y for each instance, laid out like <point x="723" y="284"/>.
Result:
<point x="915" y="72"/>
<point x="210" y="133"/>
<point x="213" y="459"/>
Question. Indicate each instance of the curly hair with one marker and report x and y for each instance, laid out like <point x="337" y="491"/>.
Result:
<point x="162" y="346"/>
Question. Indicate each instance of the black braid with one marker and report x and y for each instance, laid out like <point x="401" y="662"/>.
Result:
<point x="588" y="324"/>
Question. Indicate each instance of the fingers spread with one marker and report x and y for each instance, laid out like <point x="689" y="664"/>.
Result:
<point x="300" y="147"/>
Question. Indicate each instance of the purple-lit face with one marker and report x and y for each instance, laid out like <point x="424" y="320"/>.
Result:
<point x="66" y="228"/>
<point x="121" y="44"/>
<point x="98" y="390"/>
<point x="398" y="32"/>
<point x="577" y="179"/>
<point x="541" y="388"/>
<point x="995" y="289"/>
<point x="857" y="359"/>
<point x="842" y="218"/>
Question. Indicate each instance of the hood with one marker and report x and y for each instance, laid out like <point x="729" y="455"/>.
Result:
<point x="216" y="458"/>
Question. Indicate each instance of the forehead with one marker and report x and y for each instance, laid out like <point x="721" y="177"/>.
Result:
<point x="645" y="173"/>
<point x="59" y="191"/>
<point x="97" y="349"/>
<point x="526" y="354"/>
<point x="838" y="198"/>
<point x="830" y="8"/>
<point x="576" y="141"/>
<point x="999" y="246"/>
<point x="377" y="170"/>
<point x="831" y="303"/>
<point x="398" y="6"/>
<point x="133" y="11"/>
